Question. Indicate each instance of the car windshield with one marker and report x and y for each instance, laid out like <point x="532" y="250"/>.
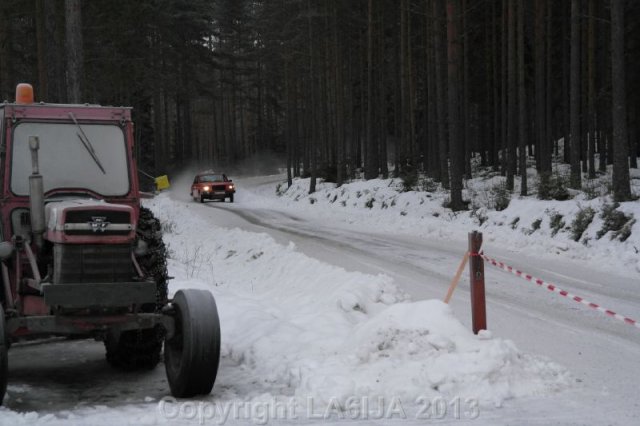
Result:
<point x="66" y="164"/>
<point x="211" y="178"/>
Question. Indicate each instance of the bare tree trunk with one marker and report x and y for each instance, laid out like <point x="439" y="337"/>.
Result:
<point x="290" y="123"/>
<point x="522" y="102"/>
<point x="43" y="88"/>
<point x="410" y="85"/>
<point x="313" y="146"/>
<point x="603" y="99"/>
<point x="54" y="40"/>
<point x="371" y="171"/>
<point x="339" y="89"/>
<point x="549" y="134"/>
<point x="466" y="124"/>
<point x="574" y="114"/>
<point x="440" y="93"/>
<point x="633" y="135"/>
<point x="432" y="116"/>
<point x="543" y="151"/>
<point x="158" y="134"/>
<point x="75" y="54"/>
<point x="497" y="106"/>
<point x="504" y="102"/>
<point x="382" y="104"/>
<point x="620" y="180"/>
<point x="591" y="90"/>
<point x="5" y="89"/>
<point x="512" y="95"/>
<point x="456" y="145"/>
<point x="402" y="149"/>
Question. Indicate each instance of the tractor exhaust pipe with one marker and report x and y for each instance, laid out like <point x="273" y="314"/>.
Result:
<point x="36" y="194"/>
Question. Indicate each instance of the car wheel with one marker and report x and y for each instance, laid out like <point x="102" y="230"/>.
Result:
<point x="231" y="198"/>
<point x="202" y="198"/>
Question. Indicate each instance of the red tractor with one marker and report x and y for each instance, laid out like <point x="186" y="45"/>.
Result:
<point x="79" y="255"/>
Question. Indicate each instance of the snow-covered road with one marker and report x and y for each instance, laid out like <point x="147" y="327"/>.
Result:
<point x="601" y="353"/>
<point x="71" y="381"/>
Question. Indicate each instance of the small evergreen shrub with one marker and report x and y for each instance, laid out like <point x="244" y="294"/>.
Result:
<point x="500" y="196"/>
<point x="409" y="181"/>
<point x="535" y="225"/>
<point x="591" y="189"/>
<point x="478" y="213"/>
<point x="553" y="187"/>
<point x="625" y="232"/>
<point x="615" y="221"/>
<point x="514" y="223"/>
<point x="369" y="203"/>
<point x="556" y="223"/>
<point x="429" y="185"/>
<point x="581" y="222"/>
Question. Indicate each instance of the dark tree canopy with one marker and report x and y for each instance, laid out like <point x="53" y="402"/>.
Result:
<point x="339" y="88"/>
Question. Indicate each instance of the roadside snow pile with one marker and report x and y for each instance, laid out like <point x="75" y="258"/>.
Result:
<point x="579" y="228"/>
<point x="297" y="327"/>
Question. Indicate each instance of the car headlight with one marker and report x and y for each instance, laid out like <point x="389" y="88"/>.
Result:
<point x="206" y="188"/>
<point x="230" y="187"/>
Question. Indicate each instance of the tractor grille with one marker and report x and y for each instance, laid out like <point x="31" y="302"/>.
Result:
<point x="92" y="263"/>
<point x="77" y="222"/>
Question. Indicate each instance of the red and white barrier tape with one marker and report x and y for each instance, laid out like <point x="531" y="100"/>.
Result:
<point x="561" y="292"/>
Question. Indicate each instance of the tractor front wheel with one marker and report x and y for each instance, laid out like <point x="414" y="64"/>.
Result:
<point x="192" y="354"/>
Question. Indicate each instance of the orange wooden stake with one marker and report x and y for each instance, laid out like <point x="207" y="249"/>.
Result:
<point x="456" y="278"/>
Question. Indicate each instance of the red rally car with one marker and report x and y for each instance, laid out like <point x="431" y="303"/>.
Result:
<point x="211" y="186"/>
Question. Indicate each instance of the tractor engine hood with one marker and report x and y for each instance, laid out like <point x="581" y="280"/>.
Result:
<point x="85" y="221"/>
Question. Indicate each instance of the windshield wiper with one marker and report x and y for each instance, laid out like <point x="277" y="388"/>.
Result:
<point x="87" y="143"/>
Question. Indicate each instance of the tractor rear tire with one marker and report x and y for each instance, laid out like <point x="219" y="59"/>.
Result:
<point x="140" y="349"/>
<point x="192" y="355"/>
<point x="4" y="357"/>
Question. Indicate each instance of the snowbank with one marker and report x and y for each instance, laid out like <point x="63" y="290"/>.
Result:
<point x="544" y="227"/>
<point x="313" y="330"/>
